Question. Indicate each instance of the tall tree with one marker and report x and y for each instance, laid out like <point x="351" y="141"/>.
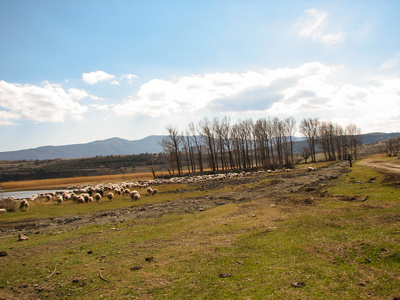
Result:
<point x="309" y="129"/>
<point x="355" y="138"/>
<point x="198" y="145"/>
<point x="207" y="132"/>
<point x="171" y="144"/>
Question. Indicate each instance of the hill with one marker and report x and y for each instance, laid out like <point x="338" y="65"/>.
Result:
<point x="118" y="146"/>
<point x="113" y="146"/>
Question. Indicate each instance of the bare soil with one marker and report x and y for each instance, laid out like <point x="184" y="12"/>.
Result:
<point x="388" y="167"/>
<point x="283" y="188"/>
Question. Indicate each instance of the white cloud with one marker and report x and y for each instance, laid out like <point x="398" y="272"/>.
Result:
<point x="50" y="103"/>
<point x="78" y="94"/>
<point x="390" y="63"/>
<point x="129" y="77"/>
<point x="6" y="118"/>
<point x="315" y="27"/>
<point x="97" y="76"/>
<point x="103" y="107"/>
<point x="312" y="89"/>
<point x="115" y="82"/>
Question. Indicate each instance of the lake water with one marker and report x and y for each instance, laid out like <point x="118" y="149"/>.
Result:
<point x="25" y="194"/>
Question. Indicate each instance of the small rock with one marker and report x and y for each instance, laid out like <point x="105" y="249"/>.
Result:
<point x="224" y="275"/>
<point x="75" y="280"/>
<point x="135" y="268"/>
<point x="90" y="252"/>
<point x="22" y="237"/>
<point x="149" y="258"/>
<point x="298" y="284"/>
<point x="3" y="253"/>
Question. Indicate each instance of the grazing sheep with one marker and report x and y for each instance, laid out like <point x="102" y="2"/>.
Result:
<point x="150" y="190"/>
<point x="110" y="196"/>
<point x="81" y="199"/>
<point x="155" y="191"/>
<point x="3" y="210"/>
<point x="97" y="197"/>
<point x="59" y="199"/>
<point x="23" y="204"/>
<point x="74" y="198"/>
<point x="310" y="169"/>
<point x="86" y="197"/>
<point x="135" y="196"/>
<point x="90" y="200"/>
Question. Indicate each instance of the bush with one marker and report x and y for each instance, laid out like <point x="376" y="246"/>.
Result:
<point x="9" y="204"/>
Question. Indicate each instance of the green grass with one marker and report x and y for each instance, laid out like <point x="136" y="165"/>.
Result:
<point x="340" y="249"/>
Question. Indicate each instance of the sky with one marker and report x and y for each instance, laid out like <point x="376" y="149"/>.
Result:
<point x="83" y="70"/>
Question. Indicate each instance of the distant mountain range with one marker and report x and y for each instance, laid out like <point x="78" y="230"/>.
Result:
<point x="113" y="146"/>
<point x="118" y="146"/>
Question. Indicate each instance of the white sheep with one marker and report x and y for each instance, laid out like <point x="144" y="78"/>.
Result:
<point x="97" y="197"/>
<point x="81" y="199"/>
<point x="3" y="210"/>
<point x="150" y="190"/>
<point x="59" y="199"/>
<point x="23" y="204"/>
<point x="110" y="196"/>
<point x="155" y="191"/>
<point x="135" y="196"/>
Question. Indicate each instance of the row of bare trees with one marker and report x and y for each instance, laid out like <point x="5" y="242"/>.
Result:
<point x="265" y="143"/>
<point x="268" y="143"/>
<point x="336" y="142"/>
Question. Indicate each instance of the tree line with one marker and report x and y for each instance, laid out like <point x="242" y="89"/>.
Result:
<point x="266" y="143"/>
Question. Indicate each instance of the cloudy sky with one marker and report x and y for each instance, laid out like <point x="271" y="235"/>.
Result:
<point x="78" y="71"/>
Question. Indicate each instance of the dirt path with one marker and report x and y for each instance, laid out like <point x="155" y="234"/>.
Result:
<point x="384" y="166"/>
<point x="274" y="190"/>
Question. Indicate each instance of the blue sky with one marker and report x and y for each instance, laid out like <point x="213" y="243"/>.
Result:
<point x="79" y="71"/>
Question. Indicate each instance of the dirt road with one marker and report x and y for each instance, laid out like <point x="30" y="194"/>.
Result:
<point x="390" y="167"/>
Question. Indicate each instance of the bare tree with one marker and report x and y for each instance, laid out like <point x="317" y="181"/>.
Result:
<point x="197" y="144"/>
<point x="339" y="136"/>
<point x="171" y="144"/>
<point x="393" y="146"/>
<point x="305" y="153"/>
<point x="220" y="144"/>
<point x="188" y="147"/>
<point x="309" y="129"/>
<point x="355" y="138"/>
<point x="236" y="143"/>
<point x="290" y="128"/>
<point x="206" y="130"/>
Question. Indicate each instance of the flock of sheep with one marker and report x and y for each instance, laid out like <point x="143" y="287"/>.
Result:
<point x="91" y="193"/>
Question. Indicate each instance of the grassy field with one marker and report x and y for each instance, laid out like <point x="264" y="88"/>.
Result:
<point x="344" y="245"/>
